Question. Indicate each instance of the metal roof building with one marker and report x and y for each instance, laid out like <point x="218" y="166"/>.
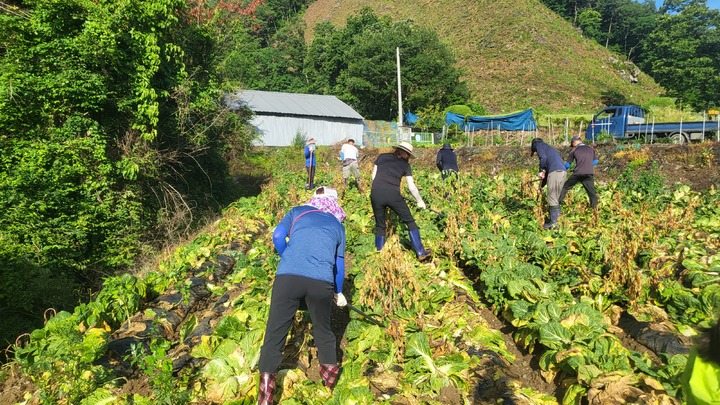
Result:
<point x="280" y="117"/>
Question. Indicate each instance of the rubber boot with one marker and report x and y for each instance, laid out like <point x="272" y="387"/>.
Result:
<point x="266" y="389"/>
<point x="554" y="214"/>
<point x="379" y="242"/>
<point x="417" y="245"/>
<point x="329" y="374"/>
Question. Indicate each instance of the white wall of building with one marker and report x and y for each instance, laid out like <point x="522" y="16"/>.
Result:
<point x="281" y="130"/>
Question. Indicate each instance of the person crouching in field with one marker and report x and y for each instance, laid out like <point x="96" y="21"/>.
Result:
<point x="585" y="158"/>
<point x="349" y="156"/>
<point x="311" y="242"/>
<point x="446" y="161"/>
<point x="552" y="173"/>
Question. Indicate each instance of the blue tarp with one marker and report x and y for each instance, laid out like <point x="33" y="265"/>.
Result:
<point x="520" y="121"/>
<point x="410" y="118"/>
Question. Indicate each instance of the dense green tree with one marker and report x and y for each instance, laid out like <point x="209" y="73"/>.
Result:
<point x="282" y="62"/>
<point x="590" y="22"/>
<point x="634" y="21"/>
<point x="625" y="24"/>
<point x="263" y="50"/>
<point x="683" y="54"/>
<point x="676" y="45"/>
<point x="358" y="64"/>
<point x="327" y="56"/>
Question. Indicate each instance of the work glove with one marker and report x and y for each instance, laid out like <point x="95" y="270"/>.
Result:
<point x="311" y="148"/>
<point x="421" y="204"/>
<point x="340" y="300"/>
<point x="539" y="190"/>
<point x="541" y="175"/>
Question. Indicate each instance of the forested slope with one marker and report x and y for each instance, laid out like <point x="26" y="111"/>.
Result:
<point x="515" y="53"/>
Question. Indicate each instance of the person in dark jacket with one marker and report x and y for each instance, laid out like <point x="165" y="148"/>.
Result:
<point x="552" y="172"/>
<point x="388" y="172"/>
<point x="310" y="163"/>
<point x="446" y="161"/>
<point x="311" y="242"/>
<point x="585" y="158"/>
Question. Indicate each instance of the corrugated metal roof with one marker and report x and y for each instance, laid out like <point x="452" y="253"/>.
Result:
<point x="293" y="103"/>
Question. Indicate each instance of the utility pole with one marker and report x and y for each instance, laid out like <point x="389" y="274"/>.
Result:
<point x="397" y="51"/>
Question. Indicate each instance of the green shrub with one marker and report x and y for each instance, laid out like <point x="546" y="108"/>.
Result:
<point x="646" y="181"/>
<point x="662" y="102"/>
<point x="299" y="140"/>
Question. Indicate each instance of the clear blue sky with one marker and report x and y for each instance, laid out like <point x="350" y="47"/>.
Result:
<point x="711" y="3"/>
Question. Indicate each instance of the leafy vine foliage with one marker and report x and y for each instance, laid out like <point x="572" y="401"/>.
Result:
<point x="111" y="131"/>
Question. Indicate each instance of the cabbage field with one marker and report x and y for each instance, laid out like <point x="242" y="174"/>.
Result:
<point x="599" y="310"/>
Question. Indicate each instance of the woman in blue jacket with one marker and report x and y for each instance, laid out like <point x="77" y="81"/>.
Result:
<point x="311" y="242"/>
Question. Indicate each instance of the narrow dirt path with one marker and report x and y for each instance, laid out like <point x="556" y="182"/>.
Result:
<point x="525" y="368"/>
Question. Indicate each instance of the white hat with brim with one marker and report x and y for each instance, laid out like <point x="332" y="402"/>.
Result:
<point x="407" y="147"/>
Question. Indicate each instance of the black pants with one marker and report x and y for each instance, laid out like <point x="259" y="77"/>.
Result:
<point x="588" y="183"/>
<point x="287" y="292"/>
<point x="383" y="199"/>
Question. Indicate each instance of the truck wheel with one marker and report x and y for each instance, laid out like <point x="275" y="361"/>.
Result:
<point x="678" y="138"/>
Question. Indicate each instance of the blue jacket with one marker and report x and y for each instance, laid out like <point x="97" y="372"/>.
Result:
<point x="310" y="157"/>
<point x="550" y="159"/>
<point x="315" y="247"/>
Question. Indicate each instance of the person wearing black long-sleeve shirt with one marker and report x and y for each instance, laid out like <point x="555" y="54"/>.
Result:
<point x="446" y="161"/>
<point x="585" y="158"/>
<point x="387" y="175"/>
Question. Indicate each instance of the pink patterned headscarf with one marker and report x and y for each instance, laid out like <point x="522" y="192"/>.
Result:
<point x="327" y="202"/>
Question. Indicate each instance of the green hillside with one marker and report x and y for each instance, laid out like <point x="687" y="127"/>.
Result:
<point x="516" y="54"/>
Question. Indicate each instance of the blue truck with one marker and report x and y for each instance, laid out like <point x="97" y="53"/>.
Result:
<point x="627" y="122"/>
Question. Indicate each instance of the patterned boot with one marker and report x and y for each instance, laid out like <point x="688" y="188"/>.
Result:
<point x="267" y="388"/>
<point x="330" y="374"/>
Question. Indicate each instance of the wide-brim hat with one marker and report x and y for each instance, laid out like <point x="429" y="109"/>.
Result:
<point x="310" y="141"/>
<point x="407" y="147"/>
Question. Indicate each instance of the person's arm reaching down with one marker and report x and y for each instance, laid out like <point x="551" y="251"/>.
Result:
<point x="340" y="299"/>
<point x="278" y="238"/>
<point x="414" y="191"/>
